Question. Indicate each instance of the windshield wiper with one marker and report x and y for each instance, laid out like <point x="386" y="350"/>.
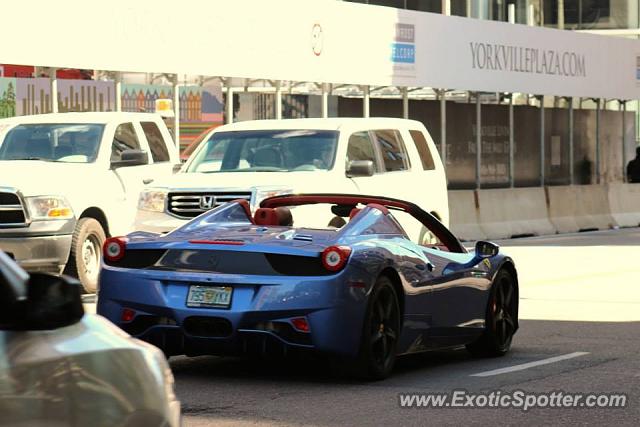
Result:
<point x="31" y="158"/>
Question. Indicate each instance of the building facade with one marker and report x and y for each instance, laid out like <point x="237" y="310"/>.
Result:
<point x="563" y="14"/>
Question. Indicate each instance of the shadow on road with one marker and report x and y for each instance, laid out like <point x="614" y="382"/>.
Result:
<point x="306" y="390"/>
<point x="303" y="368"/>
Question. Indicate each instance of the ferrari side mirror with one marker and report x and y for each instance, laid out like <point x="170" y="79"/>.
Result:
<point x="486" y="249"/>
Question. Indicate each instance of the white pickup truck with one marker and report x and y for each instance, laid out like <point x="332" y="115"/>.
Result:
<point x="69" y="180"/>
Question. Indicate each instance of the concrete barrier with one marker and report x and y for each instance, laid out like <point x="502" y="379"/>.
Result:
<point x="504" y="213"/>
<point x="463" y="215"/>
<point x="513" y="212"/>
<point x="563" y="202"/>
<point x="579" y="208"/>
<point x="624" y="204"/>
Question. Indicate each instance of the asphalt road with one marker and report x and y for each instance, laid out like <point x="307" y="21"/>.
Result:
<point x="579" y="293"/>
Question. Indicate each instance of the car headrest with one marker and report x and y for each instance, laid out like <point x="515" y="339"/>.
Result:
<point x="273" y="216"/>
<point x="354" y="212"/>
<point x="284" y="216"/>
<point x="265" y="216"/>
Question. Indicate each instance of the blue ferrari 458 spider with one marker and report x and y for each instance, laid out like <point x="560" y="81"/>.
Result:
<point x="385" y="278"/>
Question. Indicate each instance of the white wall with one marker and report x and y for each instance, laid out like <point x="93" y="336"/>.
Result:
<point x="319" y="41"/>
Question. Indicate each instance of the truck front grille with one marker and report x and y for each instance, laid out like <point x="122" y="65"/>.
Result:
<point x="190" y="205"/>
<point x="12" y="213"/>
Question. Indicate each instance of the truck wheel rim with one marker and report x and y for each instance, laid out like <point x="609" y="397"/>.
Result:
<point x="91" y="257"/>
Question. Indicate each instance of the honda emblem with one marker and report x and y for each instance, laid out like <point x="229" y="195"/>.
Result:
<point x="207" y="202"/>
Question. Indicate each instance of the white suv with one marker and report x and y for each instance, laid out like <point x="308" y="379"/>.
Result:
<point x="257" y="159"/>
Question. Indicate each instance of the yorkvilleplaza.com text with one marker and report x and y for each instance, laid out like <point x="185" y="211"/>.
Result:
<point x="517" y="399"/>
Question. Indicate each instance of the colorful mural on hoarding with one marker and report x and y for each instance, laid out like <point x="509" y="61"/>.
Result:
<point x="33" y="96"/>
<point x="142" y="98"/>
<point x="200" y="107"/>
<point x="7" y="97"/>
<point x="86" y="95"/>
<point x="197" y="104"/>
<point x="212" y="105"/>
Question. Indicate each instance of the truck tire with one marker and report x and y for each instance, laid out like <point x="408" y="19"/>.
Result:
<point x="86" y="253"/>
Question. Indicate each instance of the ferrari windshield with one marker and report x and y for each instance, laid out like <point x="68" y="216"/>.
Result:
<point x="320" y="216"/>
<point x="266" y="151"/>
<point x="227" y="214"/>
<point x="73" y="143"/>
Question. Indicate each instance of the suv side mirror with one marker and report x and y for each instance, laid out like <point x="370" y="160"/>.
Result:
<point x="360" y="168"/>
<point x="131" y="158"/>
<point x="37" y="302"/>
<point x="486" y="249"/>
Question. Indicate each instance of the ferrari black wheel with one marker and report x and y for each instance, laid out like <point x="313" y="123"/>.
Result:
<point x="501" y="318"/>
<point x="380" y="333"/>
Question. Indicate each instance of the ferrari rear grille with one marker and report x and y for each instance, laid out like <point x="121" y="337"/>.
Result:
<point x="12" y="213"/>
<point x="137" y="258"/>
<point x="143" y="322"/>
<point x="214" y="327"/>
<point x="190" y="205"/>
<point x="235" y="262"/>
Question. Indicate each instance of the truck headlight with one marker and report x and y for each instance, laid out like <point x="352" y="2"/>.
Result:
<point x="48" y="207"/>
<point x="152" y="200"/>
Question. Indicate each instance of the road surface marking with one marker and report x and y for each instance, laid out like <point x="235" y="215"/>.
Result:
<point x="524" y="366"/>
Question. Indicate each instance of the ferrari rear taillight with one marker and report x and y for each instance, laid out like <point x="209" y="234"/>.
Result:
<point x="127" y="315"/>
<point x="301" y="324"/>
<point x="113" y="249"/>
<point x="334" y="258"/>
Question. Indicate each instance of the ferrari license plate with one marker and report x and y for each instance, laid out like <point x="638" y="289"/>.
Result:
<point x="209" y="296"/>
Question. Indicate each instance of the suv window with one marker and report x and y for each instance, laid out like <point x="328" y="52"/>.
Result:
<point x="423" y="149"/>
<point x="158" y="148"/>
<point x="360" y="147"/>
<point x="212" y="159"/>
<point x="266" y="151"/>
<point x="393" y="151"/>
<point x="124" y="138"/>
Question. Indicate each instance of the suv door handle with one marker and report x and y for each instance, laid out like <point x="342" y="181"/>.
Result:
<point x="147" y="181"/>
